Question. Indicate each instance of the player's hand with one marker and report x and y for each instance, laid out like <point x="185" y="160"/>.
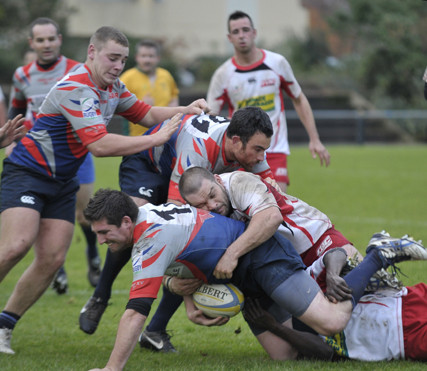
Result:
<point x="337" y="289"/>
<point x="12" y="130"/>
<point x="167" y="130"/>
<point x="225" y="267"/>
<point x="425" y="75"/>
<point x="196" y="315"/>
<point x="316" y="147"/>
<point x="184" y="286"/>
<point x="199" y="318"/>
<point x="254" y="313"/>
<point x="198" y="107"/>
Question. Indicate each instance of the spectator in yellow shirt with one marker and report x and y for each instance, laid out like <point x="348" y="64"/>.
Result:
<point x="153" y="84"/>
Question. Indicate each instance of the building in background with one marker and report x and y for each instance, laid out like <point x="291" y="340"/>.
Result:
<point x="191" y="28"/>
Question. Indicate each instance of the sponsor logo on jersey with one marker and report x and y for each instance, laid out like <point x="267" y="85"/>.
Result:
<point x="88" y="107"/>
<point x="266" y="102"/>
<point x="267" y="82"/>
<point x="145" y="192"/>
<point x="252" y="80"/>
<point x="28" y="200"/>
<point x="324" y="245"/>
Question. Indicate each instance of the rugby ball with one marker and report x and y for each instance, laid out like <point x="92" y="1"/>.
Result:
<point x="219" y="300"/>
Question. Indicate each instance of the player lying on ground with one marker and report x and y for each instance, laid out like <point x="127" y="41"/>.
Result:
<point x="167" y="234"/>
<point x="386" y="324"/>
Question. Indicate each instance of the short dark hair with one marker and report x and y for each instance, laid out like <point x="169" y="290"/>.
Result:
<point x="111" y="205"/>
<point x="191" y="180"/>
<point x="107" y="33"/>
<point x="248" y="121"/>
<point x="237" y="15"/>
<point x="42" y="21"/>
<point x="149" y="43"/>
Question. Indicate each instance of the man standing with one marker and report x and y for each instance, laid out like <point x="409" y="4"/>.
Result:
<point x="258" y="77"/>
<point x="150" y="83"/>
<point x="31" y="83"/>
<point x="38" y="181"/>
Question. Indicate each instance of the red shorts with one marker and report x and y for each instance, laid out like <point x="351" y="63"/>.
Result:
<point x="329" y="240"/>
<point x="414" y="321"/>
<point x="279" y="166"/>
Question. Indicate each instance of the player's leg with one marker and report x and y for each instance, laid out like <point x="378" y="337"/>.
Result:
<point x="278" y="163"/>
<point x="277" y="348"/>
<point x="92" y="255"/>
<point x="12" y="248"/>
<point x="50" y="249"/>
<point x="137" y="179"/>
<point x="414" y="322"/>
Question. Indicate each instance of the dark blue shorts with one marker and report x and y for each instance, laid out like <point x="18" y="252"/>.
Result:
<point x="23" y="187"/>
<point x="86" y="172"/>
<point x="263" y="269"/>
<point x="139" y="178"/>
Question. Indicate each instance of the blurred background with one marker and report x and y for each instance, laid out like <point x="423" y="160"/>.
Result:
<point x="360" y="62"/>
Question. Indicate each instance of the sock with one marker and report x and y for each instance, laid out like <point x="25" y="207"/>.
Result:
<point x="91" y="249"/>
<point x="358" y="278"/>
<point x="114" y="262"/>
<point x="8" y="320"/>
<point x="167" y="307"/>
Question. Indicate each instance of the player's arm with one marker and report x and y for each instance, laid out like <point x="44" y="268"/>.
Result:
<point x="130" y="327"/>
<point x="260" y="228"/>
<point x="336" y="288"/>
<point x="120" y="145"/>
<point x="307" y="344"/>
<point x="159" y="114"/>
<point x="303" y="109"/>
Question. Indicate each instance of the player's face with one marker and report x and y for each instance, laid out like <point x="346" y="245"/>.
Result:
<point x="147" y="59"/>
<point x="253" y="152"/>
<point x="117" y="238"/>
<point x="107" y="63"/>
<point x="211" y="197"/>
<point x="46" y="43"/>
<point x="242" y="35"/>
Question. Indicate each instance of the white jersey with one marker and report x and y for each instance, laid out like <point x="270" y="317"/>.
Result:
<point x="375" y="331"/>
<point x="303" y="224"/>
<point x="262" y="85"/>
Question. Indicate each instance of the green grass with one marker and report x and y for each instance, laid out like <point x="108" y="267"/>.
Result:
<point x="366" y="189"/>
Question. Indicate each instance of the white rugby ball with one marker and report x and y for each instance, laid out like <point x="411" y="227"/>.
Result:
<point x="219" y="300"/>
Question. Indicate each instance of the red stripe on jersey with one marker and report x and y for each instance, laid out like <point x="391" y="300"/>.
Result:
<point x="137" y="112"/>
<point x="73" y="112"/>
<point x="196" y="148"/>
<point x="140" y="228"/>
<point x="17" y="103"/>
<point x="146" y="263"/>
<point x="35" y="153"/>
<point x="145" y="288"/>
<point x="66" y="88"/>
<point x="213" y="150"/>
<point x="90" y="134"/>
<point x="197" y="273"/>
<point x="285" y="86"/>
<point x="70" y="64"/>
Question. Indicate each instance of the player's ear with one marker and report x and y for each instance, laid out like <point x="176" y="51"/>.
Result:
<point x="127" y="222"/>
<point x="218" y="179"/>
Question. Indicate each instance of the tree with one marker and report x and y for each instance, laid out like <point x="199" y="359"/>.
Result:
<point x="389" y="42"/>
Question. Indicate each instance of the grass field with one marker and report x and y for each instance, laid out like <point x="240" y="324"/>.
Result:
<point x="366" y="189"/>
